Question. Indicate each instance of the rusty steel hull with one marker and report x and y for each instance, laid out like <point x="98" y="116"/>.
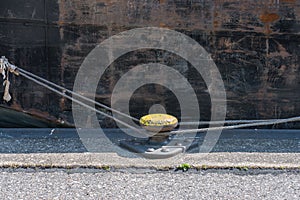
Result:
<point x="255" y="45"/>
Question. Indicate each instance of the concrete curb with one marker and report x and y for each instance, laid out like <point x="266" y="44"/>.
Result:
<point x="112" y="160"/>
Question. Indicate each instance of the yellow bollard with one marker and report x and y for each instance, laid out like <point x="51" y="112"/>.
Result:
<point x="158" y="122"/>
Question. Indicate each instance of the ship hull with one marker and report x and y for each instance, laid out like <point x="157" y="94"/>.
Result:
<point x="255" y="45"/>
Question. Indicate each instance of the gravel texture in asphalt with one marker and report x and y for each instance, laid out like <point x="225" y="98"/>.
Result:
<point x="68" y="141"/>
<point x="131" y="184"/>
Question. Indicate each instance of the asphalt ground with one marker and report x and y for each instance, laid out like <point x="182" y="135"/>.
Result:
<point x="57" y="164"/>
<point x="64" y="147"/>
<point x="46" y="140"/>
<point x="147" y="184"/>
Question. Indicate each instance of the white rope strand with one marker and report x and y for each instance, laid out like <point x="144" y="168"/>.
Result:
<point x="260" y="123"/>
<point x="76" y="94"/>
<point x="264" y="123"/>
<point x="81" y="103"/>
<point x="223" y="122"/>
<point x="47" y="84"/>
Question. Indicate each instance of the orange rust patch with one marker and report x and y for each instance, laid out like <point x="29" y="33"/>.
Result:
<point x="40" y="114"/>
<point x="163" y="25"/>
<point x="62" y="103"/>
<point x="269" y="17"/>
<point x="289" y="1"/>
<point x="16" y="107"/>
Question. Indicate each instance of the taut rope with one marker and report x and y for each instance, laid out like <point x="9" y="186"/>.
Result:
<point x="22" y="72"/>
<point x="5" y="65"/>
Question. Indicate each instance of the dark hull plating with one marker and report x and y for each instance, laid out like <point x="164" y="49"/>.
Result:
<point x="255" y="45"/>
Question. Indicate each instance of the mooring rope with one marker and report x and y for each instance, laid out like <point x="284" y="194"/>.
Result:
<point x="47" y="84"/>
<point x="263" y="123"/>
<point x="223" y="122"/>
<point x="81" y="103"/>
<point x="77" y="95"/>
<point x="249" y="123"/>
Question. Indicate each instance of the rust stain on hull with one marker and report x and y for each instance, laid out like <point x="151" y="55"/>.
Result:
<point x="255" y="45"/>
<point x="269" y="17"/>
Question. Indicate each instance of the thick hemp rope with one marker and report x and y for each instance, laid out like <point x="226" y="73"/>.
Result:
<point x="76" y="94"/>
<point x="47" y="84"/>
<point x="251" y="124"/>
<point x="80" y="103"/>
